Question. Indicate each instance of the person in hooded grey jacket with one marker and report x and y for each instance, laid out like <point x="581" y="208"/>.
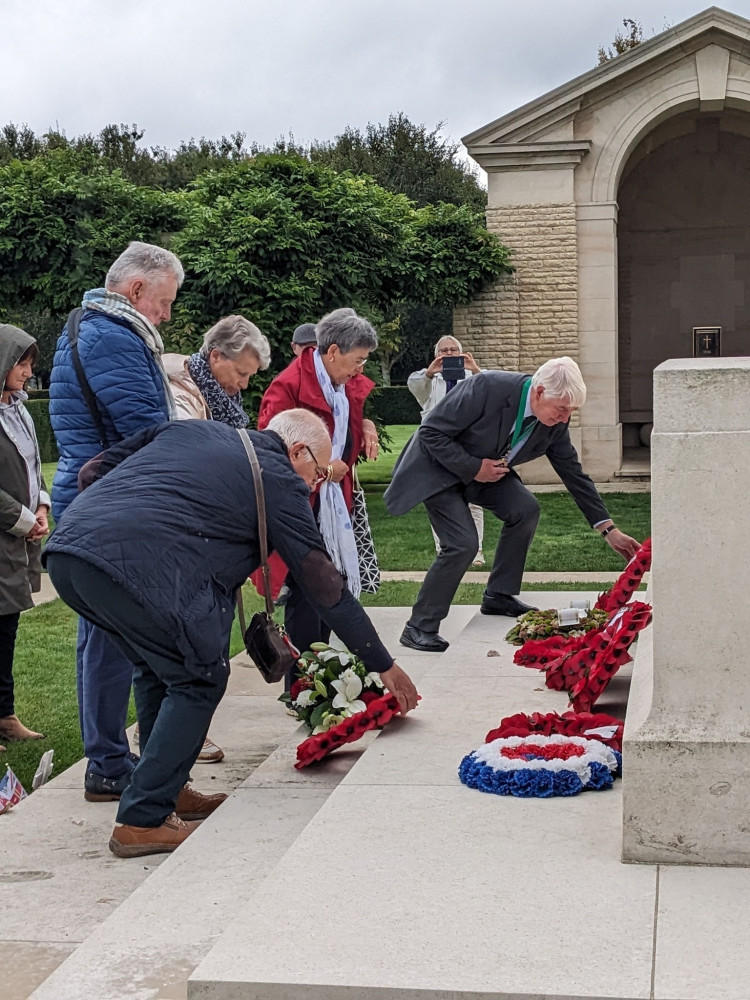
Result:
<point x="24" y="504"/>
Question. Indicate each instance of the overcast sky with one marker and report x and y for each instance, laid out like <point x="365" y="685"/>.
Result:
<point x="191" y="68"/>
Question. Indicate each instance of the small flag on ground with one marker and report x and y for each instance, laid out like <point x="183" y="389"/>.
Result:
<point x="11" y="790"/>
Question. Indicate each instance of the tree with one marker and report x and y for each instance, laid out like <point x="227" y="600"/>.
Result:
<point x="64" y="217"/>
<point x="407" y="159"/>
<point x="117" y="147"/>
<point x="283" y="241"/>
<point x="632" y="38"/>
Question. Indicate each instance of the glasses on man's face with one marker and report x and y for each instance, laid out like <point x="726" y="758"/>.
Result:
<point x="320" y="474"/>
<point x="449" y="350"/>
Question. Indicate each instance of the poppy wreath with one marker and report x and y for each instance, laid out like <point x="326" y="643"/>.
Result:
<point x="537" y="766"/>
<point x="605" y="728"/>
<point x="541" y="653"/>
<point x="612" y="652"/>
<point x="628" y="582"/>
<point x="377" y="714"/>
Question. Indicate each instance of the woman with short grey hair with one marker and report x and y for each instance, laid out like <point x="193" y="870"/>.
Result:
<point x="208" y="385"/>
<point x="329" y="381"/>
<point x="346" y="330"/>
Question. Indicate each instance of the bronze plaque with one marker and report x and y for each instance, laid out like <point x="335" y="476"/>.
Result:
<point x="706" y="341"/>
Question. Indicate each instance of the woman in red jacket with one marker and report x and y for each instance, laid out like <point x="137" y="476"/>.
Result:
<point x="328" y="380"/>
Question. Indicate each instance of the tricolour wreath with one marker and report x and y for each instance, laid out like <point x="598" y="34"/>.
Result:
<point x="605" y="728"/>
<point x="542" y="767"/>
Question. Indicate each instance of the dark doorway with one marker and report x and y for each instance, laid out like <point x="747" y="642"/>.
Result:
<point x="683" y="251"/>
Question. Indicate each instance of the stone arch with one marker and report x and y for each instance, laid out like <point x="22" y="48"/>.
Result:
<point x="683" y="248"/>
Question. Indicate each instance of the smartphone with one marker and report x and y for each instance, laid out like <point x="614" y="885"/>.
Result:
<point x="453" y="367"/>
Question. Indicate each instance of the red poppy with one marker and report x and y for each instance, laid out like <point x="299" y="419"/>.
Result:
<point x="378" y="713"/>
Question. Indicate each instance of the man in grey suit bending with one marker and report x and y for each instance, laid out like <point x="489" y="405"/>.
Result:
<point x="466" y="451"/>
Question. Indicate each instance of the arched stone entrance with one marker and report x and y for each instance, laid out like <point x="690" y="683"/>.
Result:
<point x="624" y="194"/>
<point x="683" y="250"/>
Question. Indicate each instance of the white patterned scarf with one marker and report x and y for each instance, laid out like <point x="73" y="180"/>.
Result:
<point x="114" y="304"/>
<point x="333" y="517"/>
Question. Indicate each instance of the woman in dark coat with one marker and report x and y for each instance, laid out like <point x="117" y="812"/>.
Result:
<point x="24" y="504"/>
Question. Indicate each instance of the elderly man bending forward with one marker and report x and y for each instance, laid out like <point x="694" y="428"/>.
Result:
<point x="466" y="451"/>
<point x="154" y="552"/>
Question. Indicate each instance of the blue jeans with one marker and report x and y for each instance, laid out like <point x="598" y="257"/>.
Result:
<point x="104" y="676"/>
<point x="175" y="698"/>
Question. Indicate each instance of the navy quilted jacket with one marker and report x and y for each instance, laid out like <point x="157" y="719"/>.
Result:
<point x="128" y="386"/>
<point x="174" y="522"/>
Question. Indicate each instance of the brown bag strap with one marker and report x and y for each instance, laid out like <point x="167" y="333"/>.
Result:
<point x="260" y="504"/>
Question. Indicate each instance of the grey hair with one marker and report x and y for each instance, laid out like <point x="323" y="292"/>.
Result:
<point x="234" y="334"/>
<point x="346" y="329"/>
<point x="447" y="336"/>
<point x="143" y="260"/>
<point x="562" y="379"/>
<point x="300" y="427"/>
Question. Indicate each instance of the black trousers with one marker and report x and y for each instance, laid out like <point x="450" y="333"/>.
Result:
<point x="303" y="624"/>
<point x="175" y="700"/>
<point x="8" y="630"/>
<point x="451" y="519"/>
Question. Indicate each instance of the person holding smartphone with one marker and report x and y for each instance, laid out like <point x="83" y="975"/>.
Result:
<point x="429" y="385"/>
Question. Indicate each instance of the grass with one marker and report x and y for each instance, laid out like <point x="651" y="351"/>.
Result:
<point x="563" y="542"/>
<point x="381" y="470"/>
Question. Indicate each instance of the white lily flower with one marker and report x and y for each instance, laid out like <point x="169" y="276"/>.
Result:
<point x="349" y="687"/>
<point x="304" y="698"/>
<point x="335" y="654"/>
<point x="373" y="680"/>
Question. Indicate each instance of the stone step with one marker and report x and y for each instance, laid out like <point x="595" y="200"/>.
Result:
<point x="113" y="929"/>
<point x="405" y="884"/>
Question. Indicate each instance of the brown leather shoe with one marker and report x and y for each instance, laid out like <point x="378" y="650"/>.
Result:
<point x="135" y="841"/>
<point x="194" y="805"/>
<point x="13" y="730"/>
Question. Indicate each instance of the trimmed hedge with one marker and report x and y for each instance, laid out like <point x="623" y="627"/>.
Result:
<point x="39" y="412"/>
<point x="394" y="404"/>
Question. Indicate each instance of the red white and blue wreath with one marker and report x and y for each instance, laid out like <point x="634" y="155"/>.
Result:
<point x="537" y="766"/>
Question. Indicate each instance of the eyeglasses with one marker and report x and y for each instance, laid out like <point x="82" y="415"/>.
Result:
<point x="320" y="474"/>
<point x="449" y="350"/>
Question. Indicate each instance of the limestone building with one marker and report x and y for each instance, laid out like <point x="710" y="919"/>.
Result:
<point x="626" y="197"/>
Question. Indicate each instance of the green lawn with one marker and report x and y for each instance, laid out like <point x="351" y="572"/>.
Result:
<point x="563" y="543"/>
<point x="381" y="469"/>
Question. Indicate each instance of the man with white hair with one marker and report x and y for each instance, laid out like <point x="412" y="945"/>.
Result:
<point x="466" y="451"/>
<point x="154" y="553"/>
<point x="107" y="383"/>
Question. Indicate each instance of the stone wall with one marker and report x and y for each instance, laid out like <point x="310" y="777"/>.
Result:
<point x="526" y="318"/>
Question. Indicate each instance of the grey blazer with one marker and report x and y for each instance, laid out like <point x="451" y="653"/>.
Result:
<point x="475" y="421"/>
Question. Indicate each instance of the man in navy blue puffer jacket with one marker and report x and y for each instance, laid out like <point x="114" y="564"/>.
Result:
<point x="120" y="352"/>
<point x="154" y="552"/>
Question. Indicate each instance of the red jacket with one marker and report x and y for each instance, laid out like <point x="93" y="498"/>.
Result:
<point x="297" y="386"/>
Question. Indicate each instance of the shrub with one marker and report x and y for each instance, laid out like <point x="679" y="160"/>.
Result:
<point x="39" y="412"/>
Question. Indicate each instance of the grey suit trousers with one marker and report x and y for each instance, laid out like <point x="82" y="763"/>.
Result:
<point x="451" y="520"/>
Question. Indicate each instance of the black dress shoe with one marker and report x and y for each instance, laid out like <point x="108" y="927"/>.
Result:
<point x="425" y="642"/>
<point x="504" y="604"/>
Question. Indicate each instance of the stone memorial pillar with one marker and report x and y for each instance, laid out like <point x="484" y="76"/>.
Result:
<point x="686" y="754"/>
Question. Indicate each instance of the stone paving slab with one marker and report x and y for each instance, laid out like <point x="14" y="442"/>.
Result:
<point x="466" y="894"/>
<point x="92" y="910"/>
